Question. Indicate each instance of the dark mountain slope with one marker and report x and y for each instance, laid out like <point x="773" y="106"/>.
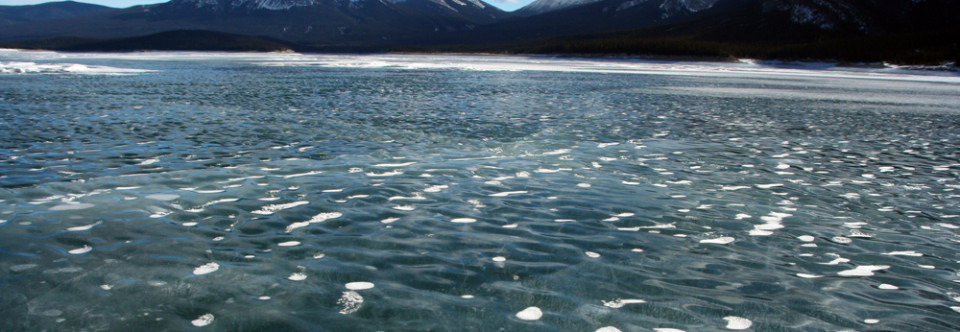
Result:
<point x="12" y="15"/>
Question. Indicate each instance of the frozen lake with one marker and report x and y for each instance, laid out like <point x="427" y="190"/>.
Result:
<point x="289" y="192"/>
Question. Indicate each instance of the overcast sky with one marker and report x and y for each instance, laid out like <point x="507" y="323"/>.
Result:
<point x="508" y="5"/>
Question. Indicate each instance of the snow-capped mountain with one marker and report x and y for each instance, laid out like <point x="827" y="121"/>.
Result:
<point x="669" y="7"/>
<point x="312" y="22"/>
<point x="686" y="25"/>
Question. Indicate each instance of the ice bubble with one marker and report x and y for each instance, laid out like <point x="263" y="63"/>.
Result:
<point x="720" y="240"/>
<point x="296" y="225"/>
<point x="290" y="176"/>
<point x="79" y="251"/>
<point x="163" y="197"/>
<point x="871" y="321"/>
<point x="806" y="238"/>
<point x="189" y="224"/>
<point x="289" y="244"/>
<point x="206" y="268"/>
<point x="463" y="220"/>
<point x="106" y="287"/>
<point x="83" y="228"/>
<point x="263" y="298"/>
<point x="351" y="302"/>
<point x="499" y="259"/>
<point x="71" y="206"/>
<point x="862" y="270"/>
<point x="841" y="239"/>
<point x="384" y="174"/>
<point x="619" y="303"/>
<point x="514" y="225"/>
<point x="737" y="323"/>
<point x="530" y="313"/>
<point x="392" y="165"/>
<point x="608" y="329"/>
<point x="808" y="276"/>
<point x="297" y="276"/>
<point x="273" y="208"/>
<point x="22" y="267"/>
<point x="741" y="216"/>
<point x="405" y="207"/>
<point x="910" y="253"/>
<point x="203" y="320"/>
<point x="466" y="296"/>
<point x="389" y="220"/>
<point x="888" y="287"/>
<point x="359" y="285"/>
<point x="437" y="188"/>
<point x="584" y="185"/>
<point x="592" y="254"/>
<point x="508" y="193"/>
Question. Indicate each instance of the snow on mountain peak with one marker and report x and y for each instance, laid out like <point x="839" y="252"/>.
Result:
<point x="252" y="4"/>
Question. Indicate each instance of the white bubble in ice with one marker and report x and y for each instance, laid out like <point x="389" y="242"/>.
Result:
<point x="163" y="197"/>
<point x="862" y="270"/>
<point x="737" y="323"/>
<point x="720" y="240"/>
<point x="71" y="206"/>
<point x="592" y="254"/>
<point x="22" y="267"/>
<point x="530" y="313"/>
<point x="806" y="238"/>
<point x="273" y="208"/>
<point x="359" y="285"/>
<point x="206" y="268"/>
<point x="297" y="276"/>
<point x="888" y="287"/>
<point x="619" y="303"/>
<point x="871" y="321"/>
<point x="405" y="207"/>
<point x="910" y="253"/>
<point x="608" y="329"/>
<point x="389" y="220"/>
<point x="466" y="296"/>
<point x="808" y="276"/>
<point x="351" y="302"/>
<point x="463" y="220"/>
<point x="203" y="320"/>
<point x="289" y="244"/>
<point x="841" y="239"/>
<point x="499" y="259"/>
<point x="84" y="227"/>
<point x="79" y="251"/>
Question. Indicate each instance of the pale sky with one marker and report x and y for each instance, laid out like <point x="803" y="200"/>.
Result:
<point x="508" y="5"/>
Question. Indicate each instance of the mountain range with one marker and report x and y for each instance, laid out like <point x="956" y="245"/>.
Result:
<point x="849" y="30"/>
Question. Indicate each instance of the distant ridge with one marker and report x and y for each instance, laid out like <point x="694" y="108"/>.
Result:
<point x="179" y="40"/>
<point x="12" y="15"/>
<point x="900" y="31"/>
